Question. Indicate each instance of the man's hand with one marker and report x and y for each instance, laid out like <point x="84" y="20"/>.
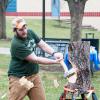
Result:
<point x="58" y="55"/>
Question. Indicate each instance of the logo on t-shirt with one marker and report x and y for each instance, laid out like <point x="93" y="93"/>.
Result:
<point x="31" y="44"/>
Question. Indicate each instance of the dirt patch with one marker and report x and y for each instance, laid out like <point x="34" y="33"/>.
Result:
<point x="50" y="68"/>
<point x="2" y="71"/>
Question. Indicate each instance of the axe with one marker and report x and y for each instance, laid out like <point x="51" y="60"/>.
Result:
<point x="71" y="74"/>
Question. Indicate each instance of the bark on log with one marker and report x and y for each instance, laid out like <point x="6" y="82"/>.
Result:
<point x="78" y="53"/>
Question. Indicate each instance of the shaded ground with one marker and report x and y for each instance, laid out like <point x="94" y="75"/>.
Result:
<point x="54" y="68"/>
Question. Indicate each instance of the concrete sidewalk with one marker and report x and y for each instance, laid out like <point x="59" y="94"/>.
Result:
<point x="4" y="50"/>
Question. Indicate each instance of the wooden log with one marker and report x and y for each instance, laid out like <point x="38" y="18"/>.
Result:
<point x="78" y="53"/>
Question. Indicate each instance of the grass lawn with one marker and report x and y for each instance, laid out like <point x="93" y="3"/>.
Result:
<point x="52" y="93"/>
<point x="53" y="30"/>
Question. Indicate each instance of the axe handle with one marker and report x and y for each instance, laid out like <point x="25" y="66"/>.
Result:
<point x="64" y="66"/>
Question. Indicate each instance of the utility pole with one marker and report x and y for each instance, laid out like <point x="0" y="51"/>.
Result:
<point x="43" y="20"/>
<point x="43" y="23"/>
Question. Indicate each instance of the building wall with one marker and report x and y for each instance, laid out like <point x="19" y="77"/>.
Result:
<point x="34" y="8"/>
<point x="92" y="6"/>
<point x="29" y="6"/>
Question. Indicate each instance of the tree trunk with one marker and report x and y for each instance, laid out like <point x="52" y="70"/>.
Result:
<point x="2" y="25"/>
<point x="3" y="5"/>
<point x="78" y="51"/>
<point x="76" y="8"/>
<point x="78" y="54"/>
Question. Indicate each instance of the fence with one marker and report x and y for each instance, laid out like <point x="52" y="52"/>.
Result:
<point x="56" y="44"/>
<point x="61" y="45"/>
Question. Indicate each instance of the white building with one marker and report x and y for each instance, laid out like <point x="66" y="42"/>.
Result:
<point x="34" y="8"/>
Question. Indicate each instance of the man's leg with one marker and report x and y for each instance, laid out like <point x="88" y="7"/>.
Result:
<point x="16" y="91"/>
<point x="37" y="92"/>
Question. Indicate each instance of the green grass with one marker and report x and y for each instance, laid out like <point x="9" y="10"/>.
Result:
<point x="52" y="93"/>
<point x="54" y="29"/>
<point x="5" y="43"/>
<point x="4" y="62"/>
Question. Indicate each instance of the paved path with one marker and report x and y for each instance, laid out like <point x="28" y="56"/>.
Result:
<point x="4" y="50"/>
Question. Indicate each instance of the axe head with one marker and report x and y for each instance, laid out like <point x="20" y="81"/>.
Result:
<point x="71" y="75"/>
<point x="70" y="72"/>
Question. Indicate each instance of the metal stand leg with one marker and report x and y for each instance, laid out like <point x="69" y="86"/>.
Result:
<point x="73" y="98"/>
<point x="63" y="95"/>
<point x="94" y="97"/>
<point x="83" y="97"/>
<point x="67" y="90"/>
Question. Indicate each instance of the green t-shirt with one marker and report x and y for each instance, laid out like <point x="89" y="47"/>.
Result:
<point x="20" y="49"/>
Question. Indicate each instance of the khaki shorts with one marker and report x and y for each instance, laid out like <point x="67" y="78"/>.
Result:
<point x="18" y="92"/>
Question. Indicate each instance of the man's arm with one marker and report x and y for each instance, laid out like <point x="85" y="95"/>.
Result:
<point x="45" y="47"/>
<point x="41" y="60"/>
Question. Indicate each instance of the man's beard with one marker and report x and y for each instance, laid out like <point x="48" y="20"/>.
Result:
<point x="19" y="36"/>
